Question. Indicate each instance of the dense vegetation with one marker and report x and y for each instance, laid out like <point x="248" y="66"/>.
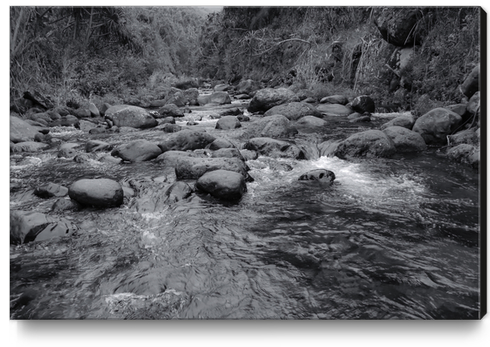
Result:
<point x="82" y="52"/>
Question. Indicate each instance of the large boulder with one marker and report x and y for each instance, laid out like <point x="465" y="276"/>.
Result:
<point x="406" y="121"/>
<point x="216" y="98"/>
<point x="130" y="116"/>
<point x="363" y="104"/>
<point x="471" y="83"/>
<point x="398" y="26"/>
<point x="185" y="140"/>
<point x="466" y="154"/>
<point x="176" y="96"/>
<point x="27" y="226"/>
<point x="21" y="131"/>
<point x="334" y="110"/>
<point x="405" y="140"/>
<point x="97" y="192"/>
<point x="294" y="110"/>
<point x="435" y="125"/>
<point x="248" y="87"/>
<point x="277" y="126"/>
<point x="366" y="144"/>
<point x="228" y="122"/>
<point x="194" y="167"/>
<point x="191" y="95"/>
<point x="170" y="110"/>
<point x="267" y="98"/>
<point x="274" y="148"/>
<point x="222" y="184"/>
<point x="137" y="151"/>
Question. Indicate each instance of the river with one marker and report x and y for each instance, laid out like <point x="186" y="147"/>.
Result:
<point x="390" y="239"/>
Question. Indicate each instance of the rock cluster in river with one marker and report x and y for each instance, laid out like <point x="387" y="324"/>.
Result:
<point x="216" y="166"/>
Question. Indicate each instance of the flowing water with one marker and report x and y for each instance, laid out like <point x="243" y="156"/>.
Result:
<point x="390" y="239"/>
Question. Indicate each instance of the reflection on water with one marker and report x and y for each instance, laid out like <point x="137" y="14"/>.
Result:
<point x="390" y="239"/>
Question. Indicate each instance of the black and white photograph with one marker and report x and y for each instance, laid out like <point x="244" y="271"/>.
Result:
<point x="247" y="163"/>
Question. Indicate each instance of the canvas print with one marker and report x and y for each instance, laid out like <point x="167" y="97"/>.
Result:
<point x="318" y="163"/>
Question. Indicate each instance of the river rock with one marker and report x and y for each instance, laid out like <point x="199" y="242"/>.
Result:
<point x="98" y="192"/>
<point x="267" y="98"/>
<point x="335" y="99"/>
<point x="227" y="153"/>
<point x="21" y="131"/>
<point x="193" y="168"/>
<point x="65" y="205"/>
<point x="171" y="128"/>
<point x="231" y="112"/>
<point x="170" y="110"/>
<point x="363" y="104"/>
<point x="228" y="122"/>
<point x="334" y="110"/>
<point x="27" y="226"/>
<point x="319" y="175"/>
<point x="248" y="87"/>
<point x="97" y="146"/>
<point x="473" y="106"/>
<point x="276" y="126"/>
<point x="293" y="110"/>
<point x="311" y="122"/>
<point x="471" y="83"/>
<point x="86" y="126"/>
<point x="222" y="184"/>
<point x="137" y="151"/>
<point x="366" y="144"/>
<point x="177" y="191"/>
<point x="435" y="125"/>
<point x="216" y="98"/>
<point x="28" y="146"/>
<point x="130" y="116"/>
<point x="468" y="136"/>
<point x="50" y="190"/>
<point x="186" y="140"/>
<point x="249" y="154"/>
<point x="405" y="140"/>
<point x="405" y="121"/>
<point x="465" y="153"/>
<point x="191" y="95"/>
<point x="172" y="158"/>
<point x="176" y="96"/>
<point x="220" y="143"/>
<point x="222" y="87"/>
<point x="274" y="148"/>
<point x="68" y="150"/>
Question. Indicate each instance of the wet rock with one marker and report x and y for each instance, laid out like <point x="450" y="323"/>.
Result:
<point x="177" y="191"/>
<point x="267" y="98"/>
<point x="137" y="151"/>
<point x="277" y="126"/>
<point x="97" y="146"/>
<point x="186" y="140"/>
<point x="231" y="112"/>
<point x="294" y="110"/>
<point x="109" y="159"/>
<point x="130" y="116"/>
<point x="21" y="131"/>
<point x="68" y="150"/>
<point x="220" y="143"/>
<point x="65" y="205"/>
<point x="228" y="122"/>
<point x="216" y="98"/>
<point x="193" y="167"/>
<point x="168" y="120"/>
<point x="29" y="146"/>
<point x="248" y="87"/>
<point x="99" y="192"/>
<point x="405" y="121"/>
<point x="222" y="184"/>
<point x="363" y="104"/>
<point x="227" y="153"/>
<point x="366" y="144"/>
<point x="50" y="190"/>
<point x="465" y="153"/>
<point x="248" y="154"/>
<point x="170" y="110"/>
<point x="405" y="140"/>
<point x="28" y="226"/>
<point x="320" y="175"/>
<point x="471" y="83"/>
<point x="274" y="148"/>
<point x="86" y="126"/>
<point x="468" y="136"/>
<point x="171" y="128"/>
<point x="435" y="125"/>
<point x="335" y="99"/>
<point x="45" y="138"/>
<point x="334" y="110"/>
<point x="84" y="158"/>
